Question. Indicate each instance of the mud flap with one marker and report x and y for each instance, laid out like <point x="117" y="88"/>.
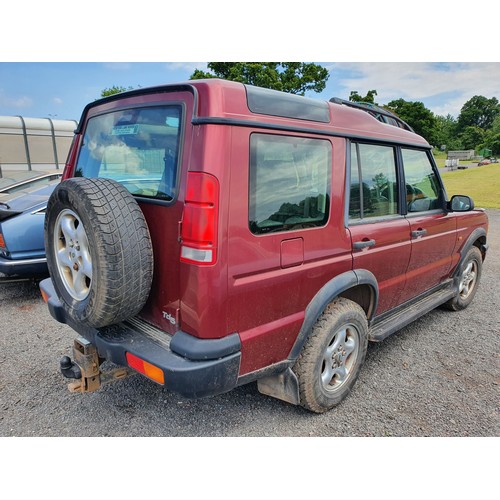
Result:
<point x="283" y="386"/>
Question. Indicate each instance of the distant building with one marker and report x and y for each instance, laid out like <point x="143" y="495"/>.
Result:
<point x="34" y="143"/>
<point x="461" y="155"/>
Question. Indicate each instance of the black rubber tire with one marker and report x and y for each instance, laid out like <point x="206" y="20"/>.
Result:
<point x="119" y="246"/>
<point x="460" y="302"/>
<point x="309" y="366"/>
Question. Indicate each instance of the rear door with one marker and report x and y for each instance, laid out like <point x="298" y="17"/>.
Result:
<point x="144" y="142"/>
<point x="380" y="234"/>
<point x="432" y="229"/>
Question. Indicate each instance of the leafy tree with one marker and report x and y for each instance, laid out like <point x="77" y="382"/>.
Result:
<point x="472" y="136"/>
<point x="292" y="77"/>
<point x="421" y="119"/>
<point x="478" y="111"/>
<point x="369" y="97"/>
<point x="494" y="143"/>
<point x="114" y="90"/>
<point x="492" y="137"/>
<point x="445" y="133"/>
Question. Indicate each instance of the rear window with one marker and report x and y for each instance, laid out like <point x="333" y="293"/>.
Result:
<point x="137" y="147"/>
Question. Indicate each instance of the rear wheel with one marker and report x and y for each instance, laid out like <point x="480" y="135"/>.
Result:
<point x="331" y="359"/>
<point x="99" y="251"/>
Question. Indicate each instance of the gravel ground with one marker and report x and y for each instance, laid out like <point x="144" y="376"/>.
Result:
<point x="436" y="377"/>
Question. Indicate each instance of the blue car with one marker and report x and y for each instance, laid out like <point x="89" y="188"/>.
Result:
<point x="22" y="248"/>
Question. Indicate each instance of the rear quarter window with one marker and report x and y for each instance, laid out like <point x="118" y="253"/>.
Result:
<point x="289" y="183"/>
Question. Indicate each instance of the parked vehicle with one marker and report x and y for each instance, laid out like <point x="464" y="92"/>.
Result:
<point x="16" y="181"/>
<point x="22" y="247"/>
<point x="486" y="161"/>
<point x="210" y="234"/>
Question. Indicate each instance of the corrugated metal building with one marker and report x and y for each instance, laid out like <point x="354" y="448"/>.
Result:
<point x="34" y="143"/>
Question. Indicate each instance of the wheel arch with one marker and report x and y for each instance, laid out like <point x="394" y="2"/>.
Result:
<point x="358" y="285"/>
<point x="478" y="239"/>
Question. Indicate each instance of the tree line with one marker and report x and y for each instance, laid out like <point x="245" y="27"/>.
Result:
<point x="476" y="127"/>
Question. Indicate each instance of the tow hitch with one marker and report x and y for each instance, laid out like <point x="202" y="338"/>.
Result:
<point x="85" y="368"/>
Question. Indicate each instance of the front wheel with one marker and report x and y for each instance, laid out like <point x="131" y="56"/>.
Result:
<point x="331" y="359"/>
<point x="468" y="280"/>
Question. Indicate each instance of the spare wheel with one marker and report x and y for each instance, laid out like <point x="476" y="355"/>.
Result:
<point x="99" y="251"/>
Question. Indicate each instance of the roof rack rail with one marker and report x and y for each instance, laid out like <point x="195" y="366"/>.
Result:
<point x="381" y="114"/>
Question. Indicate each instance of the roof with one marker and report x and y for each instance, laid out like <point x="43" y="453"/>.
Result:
<point x="222" y="101"/>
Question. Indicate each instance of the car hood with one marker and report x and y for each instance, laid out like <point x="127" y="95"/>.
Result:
<point x="16" y="203"/>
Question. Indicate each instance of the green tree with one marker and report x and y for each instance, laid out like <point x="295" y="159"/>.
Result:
<point x="292" y="77"/>
<point x="494" y="143"/>
<point x="478" y="111"/>
<point x="492" y="137"/>
<point x="421" y="119"/>
<point x="472" y="136"/>
<point x="114" y="90"/>
<point x="369" y="97"/>
<point x="445" y="133"/>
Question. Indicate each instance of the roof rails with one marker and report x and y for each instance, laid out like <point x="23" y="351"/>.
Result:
<point x="381" y="114"/>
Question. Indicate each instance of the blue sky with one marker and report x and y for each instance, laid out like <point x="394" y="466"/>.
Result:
<point x="62" y="89"/>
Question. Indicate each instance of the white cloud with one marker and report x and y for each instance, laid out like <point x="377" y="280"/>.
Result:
<point x="186" y="66"/>
<point x="118" y="66"/>
<point x="15" y="102"/>
<point x="57" y="100"/>
<point x="455" y="83"/>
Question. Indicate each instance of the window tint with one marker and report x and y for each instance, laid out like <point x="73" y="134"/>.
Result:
<point x="422" y="187"/>
<point x="289" y="179"/>
<point x="137" y="147"/>
<point x="374" y="190"/>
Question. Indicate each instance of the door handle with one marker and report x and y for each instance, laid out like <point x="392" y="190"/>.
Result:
<point x="359" y="245"/>
<point x="418" y="233"/>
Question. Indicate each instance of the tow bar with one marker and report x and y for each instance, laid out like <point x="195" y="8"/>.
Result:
<point x="86" y="368"/>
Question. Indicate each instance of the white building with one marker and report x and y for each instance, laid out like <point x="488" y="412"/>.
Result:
<point x="34" y="143"/>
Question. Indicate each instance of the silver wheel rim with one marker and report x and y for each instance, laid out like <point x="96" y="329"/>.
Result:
<point x="339" y="358"/>
<point x="72" y="254"/>
<point x="468" y="280"/>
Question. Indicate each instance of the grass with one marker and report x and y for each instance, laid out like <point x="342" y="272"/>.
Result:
<point x="482" y="184"/>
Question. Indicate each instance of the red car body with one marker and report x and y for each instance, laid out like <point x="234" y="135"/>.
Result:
<point x="265" y="290"/>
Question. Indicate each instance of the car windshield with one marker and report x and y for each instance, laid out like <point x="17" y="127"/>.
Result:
<point x="137" y="147"/>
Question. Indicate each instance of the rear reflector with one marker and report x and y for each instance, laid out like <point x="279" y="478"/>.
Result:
<point x="147" y="369"/>
<point x="200" y="219"/>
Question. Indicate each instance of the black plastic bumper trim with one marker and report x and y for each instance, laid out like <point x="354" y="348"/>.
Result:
<point x="204" y="349"/>
<point x="192" y="378"/>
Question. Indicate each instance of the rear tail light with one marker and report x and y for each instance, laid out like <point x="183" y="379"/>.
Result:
<point x="200" y="219"/>
<point x="3" y="246"/>
<point x="147" y="369"/>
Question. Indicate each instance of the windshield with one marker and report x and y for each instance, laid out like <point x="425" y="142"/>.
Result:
<point x="137" y="147"/>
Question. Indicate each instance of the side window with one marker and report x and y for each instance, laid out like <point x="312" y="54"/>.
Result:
<point x="289" y="183"/>
<point x="422" y="186"/>
<point x="374" y="187"/>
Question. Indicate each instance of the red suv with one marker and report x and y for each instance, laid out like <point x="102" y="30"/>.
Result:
<point x="210" y="234"/>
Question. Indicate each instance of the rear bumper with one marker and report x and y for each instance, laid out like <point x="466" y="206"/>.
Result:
<point x="192" y="367"/>
<point x="23" y="267"/>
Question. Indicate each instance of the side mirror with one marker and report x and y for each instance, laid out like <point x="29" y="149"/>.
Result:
<point x="460" y="203"/>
